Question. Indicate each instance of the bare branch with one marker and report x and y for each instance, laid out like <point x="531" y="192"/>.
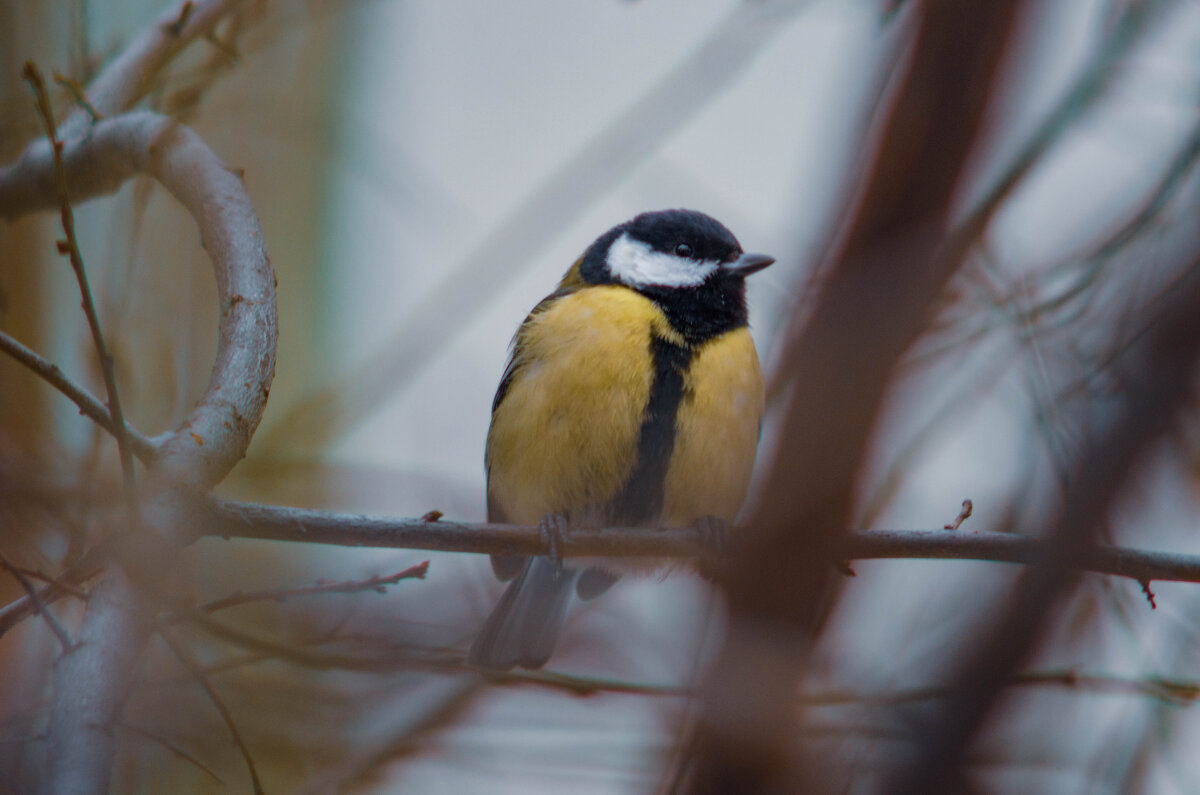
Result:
<point x="60" y="632"/>
<point x="281" y="523"/>
<point x="16" y="611"/>
<point x="1158" y="381"/>
<point x="70" y="247"/>
<point x="173" y="748"/>
<point x="893" y="263"/>
<point x="377" y="584"/>
<point x="202" y="450"/>
<point x="91" y="407"/>
<point x="132" y="73"/>
<point x="91" y="683"/>
<point x="185" y="657"/>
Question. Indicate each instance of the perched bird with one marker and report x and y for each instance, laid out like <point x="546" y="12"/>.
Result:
<point x="633" y="396"/>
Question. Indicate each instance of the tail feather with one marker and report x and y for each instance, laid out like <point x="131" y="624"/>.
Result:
<point x="524" y="626"/>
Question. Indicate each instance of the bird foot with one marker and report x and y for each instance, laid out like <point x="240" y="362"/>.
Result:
<point x="553" y="527"/>
<point x="713" y="532"/>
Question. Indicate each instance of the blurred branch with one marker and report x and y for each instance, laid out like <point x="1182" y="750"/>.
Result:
<point x="1158" y="379"/>
<point x="365" y="767"/>
<point x="88" y="404"/>
<point x="185" y="658"/>
<point x="377" y="584"/>
<point x="70" y="247"/>
<point x="42" y="609"/>
<point x="19" y="609"/>
<point x="280" y="523"/>
<point x="173" y="748"/>
<point x="1095" y="79"/>
<point x="132" y="73"/>
<point x="1171" y="691"/>
<point x="887" y="275"/>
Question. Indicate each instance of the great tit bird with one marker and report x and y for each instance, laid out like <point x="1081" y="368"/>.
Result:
<point x="633" y="396"/>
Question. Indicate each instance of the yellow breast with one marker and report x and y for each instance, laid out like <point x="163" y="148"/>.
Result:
<point x="565" y="437"/>
<point x="716" y="431"/>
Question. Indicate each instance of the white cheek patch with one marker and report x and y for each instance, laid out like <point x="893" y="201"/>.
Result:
<point x="636" y="264"/>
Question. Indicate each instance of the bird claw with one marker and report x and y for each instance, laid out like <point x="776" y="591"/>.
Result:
<point x="553" y="528"/>
<point x="713" y="533"/>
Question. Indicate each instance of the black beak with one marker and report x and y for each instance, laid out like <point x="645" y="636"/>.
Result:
<point x="749" y="263"/>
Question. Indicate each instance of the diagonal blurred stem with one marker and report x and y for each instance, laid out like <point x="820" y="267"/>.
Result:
<point x="518" y="238"/>
<point x="894" y="263"/>
<point x="1159" y="374"/>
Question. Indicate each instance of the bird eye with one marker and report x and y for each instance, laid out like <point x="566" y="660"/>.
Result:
<point x="683" y="250"/>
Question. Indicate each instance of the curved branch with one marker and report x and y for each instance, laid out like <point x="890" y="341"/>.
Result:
<point x="281" y="523"/>
<point x="202" y="449"/>
<point x="91" y="682"/>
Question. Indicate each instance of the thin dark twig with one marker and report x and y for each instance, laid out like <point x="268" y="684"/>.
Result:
<point x="65" y="587"/>
<point x="1158" y="374"/>
<point x="305" y="657"/>
<point x="70" y="247"/>
<point x="79" y="95"/>
<point x="1174" y="692"/>
<point x="18" y="610"/>
<point x="378" y="584"/>
<point x="173" y="748"/>
<point x="185" y="657"/>
<point x="41" y="607"/>
<point x="88" y="404"/>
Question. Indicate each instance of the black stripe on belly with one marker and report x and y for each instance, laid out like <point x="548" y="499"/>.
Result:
<point x="641" y="498"/>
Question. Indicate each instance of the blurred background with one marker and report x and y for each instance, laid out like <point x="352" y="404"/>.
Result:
<point x="424" y="173"/>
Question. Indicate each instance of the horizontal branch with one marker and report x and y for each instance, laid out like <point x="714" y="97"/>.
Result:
<point x="279" y="523"/>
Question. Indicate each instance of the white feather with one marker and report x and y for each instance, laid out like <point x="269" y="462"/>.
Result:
<point x="636" y="264"/>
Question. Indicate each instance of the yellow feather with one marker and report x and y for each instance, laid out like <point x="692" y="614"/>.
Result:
<point x="717" y="430"/>
<point x="564" y="439"/>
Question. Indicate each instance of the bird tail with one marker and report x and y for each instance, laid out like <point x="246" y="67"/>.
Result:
<point x="524" y="626"/>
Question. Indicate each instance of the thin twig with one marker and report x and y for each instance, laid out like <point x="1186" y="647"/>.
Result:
<point x="185" y="657"/>
<point x="88" y="404"/>
<point x="136" y="70"/>
<point x="308" y="658"/>
<point x="1175" y="692"/>
<point x="173" y="748"/>
<point x="18" y="610"/>
<point x="79" y="95"/>
<point x="70" y="247"/>
<point x="65" y="587"/>
<point x="963" y="515"/>
<point x="41" y="607"/>
<point x="378" y="584"/>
